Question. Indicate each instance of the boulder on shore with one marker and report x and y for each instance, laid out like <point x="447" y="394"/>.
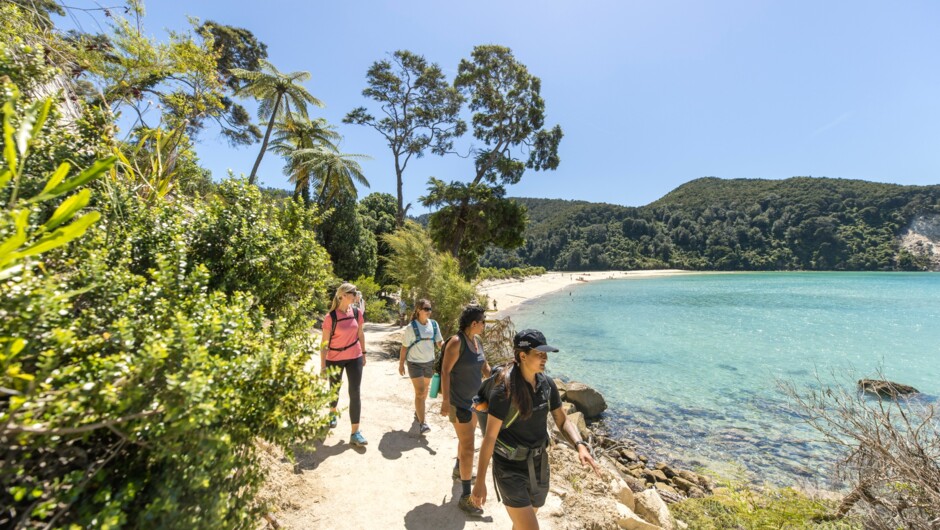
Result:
<point x="589" y="401"/>
<point x="883" y="388"/>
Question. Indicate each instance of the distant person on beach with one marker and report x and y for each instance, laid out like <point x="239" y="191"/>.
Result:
<point x="516" y="436"/>
<point x="344" y="348"/>
<point x="417" y="350"/>
<point x="463" y="368"/>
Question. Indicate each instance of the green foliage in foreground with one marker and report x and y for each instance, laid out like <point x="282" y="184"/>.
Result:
<point x="750" y="509"/>
<point x="140" y="363"/>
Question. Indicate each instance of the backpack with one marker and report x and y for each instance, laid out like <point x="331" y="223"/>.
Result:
<point x="333" y="328"/>
<point x="418" y="338"/>
<point x="486" y="388"/>
<point x="439" y="357"/>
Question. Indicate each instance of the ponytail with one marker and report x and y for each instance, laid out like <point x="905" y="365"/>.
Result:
<point x="516" y="387"/>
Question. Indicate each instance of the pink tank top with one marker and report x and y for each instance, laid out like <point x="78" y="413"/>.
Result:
<point x="346" y="334"/>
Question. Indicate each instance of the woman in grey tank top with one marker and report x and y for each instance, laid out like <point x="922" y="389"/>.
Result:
<point x="463" y="368"/>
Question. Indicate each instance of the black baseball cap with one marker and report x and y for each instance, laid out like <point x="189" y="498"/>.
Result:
<point x="531" y="339"/>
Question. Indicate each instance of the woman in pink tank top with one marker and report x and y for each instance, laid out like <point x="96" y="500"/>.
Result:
<point x="344" y="350"/>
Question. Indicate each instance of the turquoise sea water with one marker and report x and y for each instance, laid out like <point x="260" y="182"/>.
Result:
<point x="689" y="365"/>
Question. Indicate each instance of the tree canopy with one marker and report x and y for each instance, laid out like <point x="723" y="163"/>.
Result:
<point x="509" y="119"/>
<point x="419" y="111"/>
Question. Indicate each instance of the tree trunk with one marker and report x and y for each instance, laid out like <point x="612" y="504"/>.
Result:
<point x="459" y="230"/>
<point x="400" y="216"/>
<point x="264" y="143"/>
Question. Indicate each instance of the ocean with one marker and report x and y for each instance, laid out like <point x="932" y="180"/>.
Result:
<point x="690" y="365"/>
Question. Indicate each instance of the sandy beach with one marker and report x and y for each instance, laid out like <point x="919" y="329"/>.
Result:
<point x="510" y="293"/>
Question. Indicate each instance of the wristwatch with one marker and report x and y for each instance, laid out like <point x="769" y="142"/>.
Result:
<point x="585" y="444"/>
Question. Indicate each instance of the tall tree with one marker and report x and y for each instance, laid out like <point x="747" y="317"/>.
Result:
<point x="235" y="48"/>
<point x="378" y="211"/>
<point x="420" y="111"/>
<point x="276" y="92"/>
<point x="352" y="246"/>
<point x="509" y="118"/>
<point x="291" y="136"/>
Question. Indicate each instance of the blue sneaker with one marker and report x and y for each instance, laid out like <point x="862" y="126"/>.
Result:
<point x="358" y="439"/>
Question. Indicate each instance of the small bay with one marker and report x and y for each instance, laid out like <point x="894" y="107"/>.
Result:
<point x="690" y="364"/>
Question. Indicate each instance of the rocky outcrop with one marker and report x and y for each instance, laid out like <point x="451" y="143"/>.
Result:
<point x="589" y="401"/>
<point x="651" y="507"/>
<point x="884" y="388"/>
<point x="922" y="238"/>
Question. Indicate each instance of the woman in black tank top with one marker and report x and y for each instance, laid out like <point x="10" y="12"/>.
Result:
<point x="463" y="368"/>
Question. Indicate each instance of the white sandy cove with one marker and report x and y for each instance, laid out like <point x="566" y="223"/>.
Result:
<point x="402" y="479"/>
<point x="510" y="293"/>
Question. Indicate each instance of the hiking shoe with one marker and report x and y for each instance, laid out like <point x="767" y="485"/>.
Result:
<point x="332" y="421"/>
<point x="467" y="507"/>
<point x="425" y="428"/>
<point x="358" y="439"/>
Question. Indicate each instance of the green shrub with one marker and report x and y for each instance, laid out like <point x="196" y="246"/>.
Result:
<point x="424" y="272"/>
<point x="491" y="273"/>
<point x="139" y="365"/>
<point x="736" y="506"/>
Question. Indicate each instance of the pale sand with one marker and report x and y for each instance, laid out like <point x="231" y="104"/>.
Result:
<point x="508" y="294"/>
<point x="402" y="479"/>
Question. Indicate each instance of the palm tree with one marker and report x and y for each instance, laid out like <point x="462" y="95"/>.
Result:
<point x="292" y="135"/>
<point x="333" y="172"/>
<point x="276" y="93"/>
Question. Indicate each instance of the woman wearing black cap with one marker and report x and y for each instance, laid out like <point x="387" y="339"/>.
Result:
<point x="517" y="435"/>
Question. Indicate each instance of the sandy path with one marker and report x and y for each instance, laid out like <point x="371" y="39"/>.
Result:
<point x="400" y="479"/>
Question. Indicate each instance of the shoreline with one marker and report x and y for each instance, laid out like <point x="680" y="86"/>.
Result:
<point x="510" y="294"/>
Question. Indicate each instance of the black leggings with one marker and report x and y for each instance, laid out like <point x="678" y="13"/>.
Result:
<point x="353" y="368"/>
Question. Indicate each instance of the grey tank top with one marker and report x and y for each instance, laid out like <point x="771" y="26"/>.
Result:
<point x="466" y="375"/>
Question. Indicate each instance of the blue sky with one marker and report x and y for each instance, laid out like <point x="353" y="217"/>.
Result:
<point x="649" y="94"/>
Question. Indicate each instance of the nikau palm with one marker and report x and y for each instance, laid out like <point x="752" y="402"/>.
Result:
<point x="293" y="135"/>
<point x="334" y="173"/>
<point x="276" y="93"/>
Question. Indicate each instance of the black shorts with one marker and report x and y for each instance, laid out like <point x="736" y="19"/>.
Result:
<point x="459" y="415"/>
<point x="512" y="479"/>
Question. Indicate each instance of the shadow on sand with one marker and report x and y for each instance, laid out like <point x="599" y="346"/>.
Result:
<point x="444" y="515"/>
<point x="394" y="443"/>
<point x="309" y="457"/>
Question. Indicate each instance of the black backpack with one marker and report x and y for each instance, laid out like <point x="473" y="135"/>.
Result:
<point x="333" y="329"/>
<point x="439" y="356"/>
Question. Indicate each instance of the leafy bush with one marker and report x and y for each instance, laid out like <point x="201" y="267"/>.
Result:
<point x="735" y="506"/>
<point x="135" y="379"/>
<point x="424" y="272"/>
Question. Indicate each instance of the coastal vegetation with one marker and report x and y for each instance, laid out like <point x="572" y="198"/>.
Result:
<point x="155" y="322"/>
<point x="799" y="223"/>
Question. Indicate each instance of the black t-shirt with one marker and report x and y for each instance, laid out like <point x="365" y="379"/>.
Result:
<point x="532" y="431"/>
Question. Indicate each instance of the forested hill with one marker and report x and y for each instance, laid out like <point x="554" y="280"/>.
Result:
<point x="801" y="223"/>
